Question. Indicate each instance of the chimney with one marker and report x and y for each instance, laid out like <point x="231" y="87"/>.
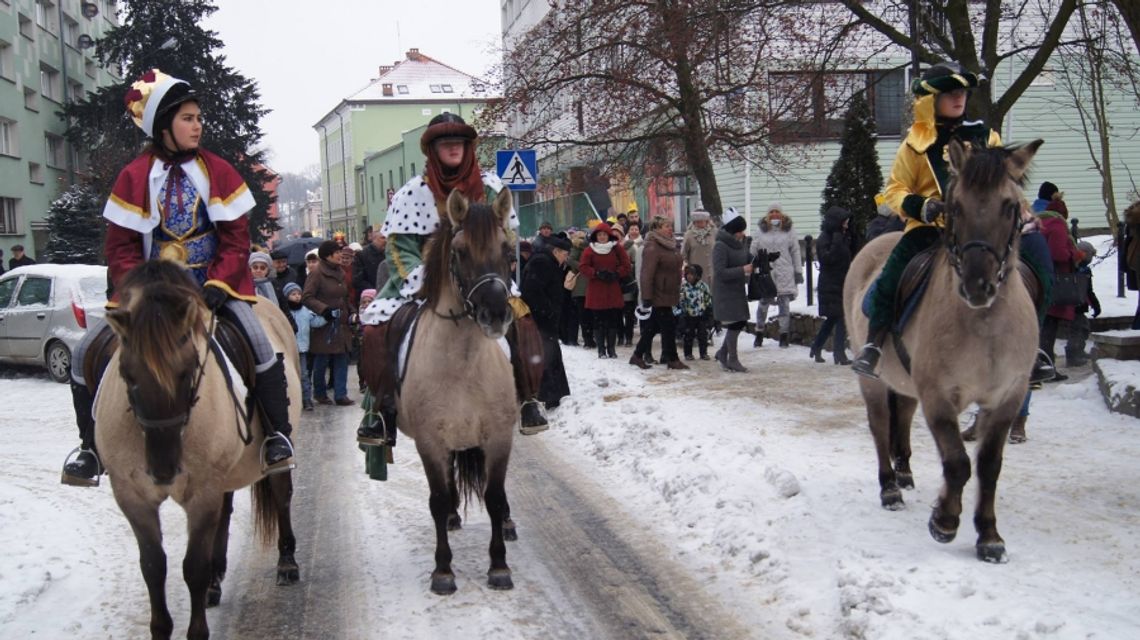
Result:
<point x="414" y="54"/>
<point x="385" y="68"/>
<point x="386" y="88"/>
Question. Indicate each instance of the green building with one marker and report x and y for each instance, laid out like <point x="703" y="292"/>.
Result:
<point x="46" y="60"/>
<point x="370" y="141"/>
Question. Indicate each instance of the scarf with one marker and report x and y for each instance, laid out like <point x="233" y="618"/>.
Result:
<point x="467" y="177"/>
<point x="602" y="248"/>
<point x="703" y="237"/>
<point x="174" y="199"/>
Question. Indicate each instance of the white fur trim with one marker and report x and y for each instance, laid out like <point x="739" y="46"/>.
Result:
<point x="413" y="207"/>
<point x="153" y="100"/>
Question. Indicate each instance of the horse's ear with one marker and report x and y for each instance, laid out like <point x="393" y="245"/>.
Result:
<point x="959" y="153"/>
<point x="502" y="206"/>
<point x="456" y="207"/>
<point x="1018" y="161"/>
<point x="120" y="321"/>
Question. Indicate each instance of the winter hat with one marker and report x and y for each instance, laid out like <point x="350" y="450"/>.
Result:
<point x="545" y="225"/>
<point x="699" y="215"/>
<point x="153" y="95"/>
<point x="259" y="256"/>
<point x="601" y="226"/>
<point x="775" y="206"/>
<point x="733" y="221"/>
<point x="1086" y="247"/>
<point x="279" y="255"/>
<point x="290" y="287"/>
<point x="355" y="246"/>
<point x="695" y="269"/>
<point x="445" y="125"/>
<point x="327" y="249"/>
<point x="558" y="242"/>
<point x="313" y="253"/>
<point x="368" y="293"/>
<point x="1047" y="190"/>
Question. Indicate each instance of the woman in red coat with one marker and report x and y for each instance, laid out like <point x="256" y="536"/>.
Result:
<point x="1063" y="250"/>
<point x="605" y="264"/>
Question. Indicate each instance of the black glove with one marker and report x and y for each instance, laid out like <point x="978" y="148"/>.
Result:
<point x="215" y="297"/>
<point x="931" y="210"/>
<point x="605" y="276"/>
<point x="327" y="314"/>
<point x="773" y="256"/>
<point x="1095" y="308"/>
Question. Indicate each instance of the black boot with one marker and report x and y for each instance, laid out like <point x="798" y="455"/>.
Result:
<point x="381" y="430"/>
<point x="814" y="354"/>
<point x="271" y="393"/>
<point x="611" y="342"/>
<point x="867" y="362"/>
<point x="85" y="469"/>
<point x="784" y="341"/>
<point x="532" y="419"/>
<point x="758" y="338"/>
<point x="1043" y="369"/>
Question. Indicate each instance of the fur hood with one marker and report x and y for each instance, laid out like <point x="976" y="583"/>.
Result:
<point x="766" y="222"/>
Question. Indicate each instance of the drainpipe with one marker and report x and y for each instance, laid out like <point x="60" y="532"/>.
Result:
<point x="326" y="193"/>
<point x="344" y="163"/>
<point x="67" y="151"/>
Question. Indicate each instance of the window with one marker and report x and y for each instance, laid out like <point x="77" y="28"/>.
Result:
<point x="414" y="169"/>
<point x="6" y="289"/>
<point x="35" y="173"/>
<point x="372" y="187"/>
<point x="46" y="15"/>
<point x="75" y="91"/>
<point x="402" y="179"/>
<point x="31" y="99"/>
<point x="34" y="291"/>
<point x="9" y="140"/>
<point x="70" y="31"/>
<point x="435" y="88"/>
<point x="402" y="89"/>
<point x="447" y="88"/>
<point x="478" y="87"/>
<point x="27" y="29"/>
<point x="49" y="83"/>
<point x="5" y="60"/>
<point x="425" y="112"/>
<point x="391" y="182"/>
<point x="54" y="151"/>
<point x="811" y="107"/>
<point x="9" y="217"/>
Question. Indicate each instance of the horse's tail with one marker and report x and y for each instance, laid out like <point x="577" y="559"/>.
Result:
<point x="470" y="473"/>
<point x="264" y="511"/>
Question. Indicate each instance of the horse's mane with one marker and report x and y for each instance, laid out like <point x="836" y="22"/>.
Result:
<point x="986" y="169"/>
<point x="479" y="227"/>
<point x="163" y="303"/>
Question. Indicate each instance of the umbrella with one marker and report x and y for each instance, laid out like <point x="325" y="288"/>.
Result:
<point x="296" y="249"/>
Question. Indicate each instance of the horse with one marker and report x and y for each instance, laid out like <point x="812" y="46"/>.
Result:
<point x="170" y="426"/>
<point x="972" y="339"/>
<point x="457" y="400"/>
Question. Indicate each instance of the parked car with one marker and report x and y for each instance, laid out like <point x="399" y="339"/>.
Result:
<point x="44" y="311"/>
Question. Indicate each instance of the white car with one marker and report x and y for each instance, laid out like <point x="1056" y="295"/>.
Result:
<point x="45" y="310"/>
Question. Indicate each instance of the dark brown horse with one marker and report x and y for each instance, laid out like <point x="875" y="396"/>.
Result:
<point x="972" y="339"/>
<point x="167" y="426"/>
<point x="458" y="398"/>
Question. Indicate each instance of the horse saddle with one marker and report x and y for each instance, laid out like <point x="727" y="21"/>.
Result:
<point x="912" y="286"/>
<point x="227" y="335"/>
<point x="380" y="351"/>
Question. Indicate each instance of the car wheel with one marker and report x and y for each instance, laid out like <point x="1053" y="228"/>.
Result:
<point x="58" y="361"/>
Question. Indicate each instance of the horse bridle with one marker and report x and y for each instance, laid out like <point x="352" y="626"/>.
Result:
<point x="182" y="419"/>
<point x="957" y="252"/>
<point x="465" y="293"/>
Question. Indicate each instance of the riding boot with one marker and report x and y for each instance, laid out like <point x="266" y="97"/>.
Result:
<point x="532" y="419"/>
<point x="85" y="469"/>
<point x="270" y="389"/>
<point x="867" y="361"/>
<point x="1043" y="369"/>
<point x="731" y="361"/>
<point x="611" y="342"/>
<point x="381" y="429"/>
<point x="815" y="353"/>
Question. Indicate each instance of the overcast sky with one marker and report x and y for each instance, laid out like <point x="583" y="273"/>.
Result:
<point x="306" y="56"/>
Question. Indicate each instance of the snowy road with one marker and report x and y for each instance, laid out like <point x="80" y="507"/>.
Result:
<point x="660" y="504"/>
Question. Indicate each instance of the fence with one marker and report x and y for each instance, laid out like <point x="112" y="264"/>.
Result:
<point x="564" y="211"/>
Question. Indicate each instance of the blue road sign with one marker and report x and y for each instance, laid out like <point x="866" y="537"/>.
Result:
<point x="517" y="168"/>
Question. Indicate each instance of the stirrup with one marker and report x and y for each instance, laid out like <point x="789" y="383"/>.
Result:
<point x="375" y="442"/>
<point x="865" y="366"/>
<point x="77" y="481"/>
<point x="281" y="466"/>
<point x="1043" y="368"/>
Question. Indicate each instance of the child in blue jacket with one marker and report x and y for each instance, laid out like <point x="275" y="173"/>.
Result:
<point x="305" y="320"/>
<point x="695" y="310"/>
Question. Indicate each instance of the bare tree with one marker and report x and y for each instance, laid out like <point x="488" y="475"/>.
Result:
<point x="1130" y="13"/>
<point x="1091" y="73"/>
<point x="667" y="80"/>
<point x="946" y="30"/>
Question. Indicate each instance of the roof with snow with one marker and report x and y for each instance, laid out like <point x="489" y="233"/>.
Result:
<point x="420" y="78"/>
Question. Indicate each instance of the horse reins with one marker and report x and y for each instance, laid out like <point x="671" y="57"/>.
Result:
<point x="957" y="252"/>
<point x="182" y="419"/>
<point x="469" y="310"/>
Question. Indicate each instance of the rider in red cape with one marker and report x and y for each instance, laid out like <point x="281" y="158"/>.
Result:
<point x="179" y="202"/>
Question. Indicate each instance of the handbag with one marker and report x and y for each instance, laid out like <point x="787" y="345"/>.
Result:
<point x="570" y="280"/>
<point x="1071" y="288"/>
<point x="761" y="286"/>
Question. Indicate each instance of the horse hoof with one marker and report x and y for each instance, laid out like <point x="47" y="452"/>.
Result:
<point x="213" y="596"/>
<point x="288" y="575"/>
<point x="509" y="532"/>
<point x="940" y="533"/>
<point x="992" y="552"/>
<point x="500" y="579"/>
<point x="892" y="499"/>
<point x="454" y="522"/>
<point x="442" y="584"/>
<point x="904" y="479"/>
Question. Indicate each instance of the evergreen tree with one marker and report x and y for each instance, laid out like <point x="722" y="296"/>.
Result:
<point x="855" y="177"/>
<point x="168" y="36"/>
<point x="75" y="227"/>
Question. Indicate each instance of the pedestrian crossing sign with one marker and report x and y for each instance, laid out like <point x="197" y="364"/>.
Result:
<point x="517" y="168"/>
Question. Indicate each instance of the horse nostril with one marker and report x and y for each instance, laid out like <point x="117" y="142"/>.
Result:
<point x="990" y="289"/>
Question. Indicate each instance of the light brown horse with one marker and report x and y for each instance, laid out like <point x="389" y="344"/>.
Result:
<point x="458" y="398"/>
<point x="972" y="339"/>
<point x="168" y="427"/>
